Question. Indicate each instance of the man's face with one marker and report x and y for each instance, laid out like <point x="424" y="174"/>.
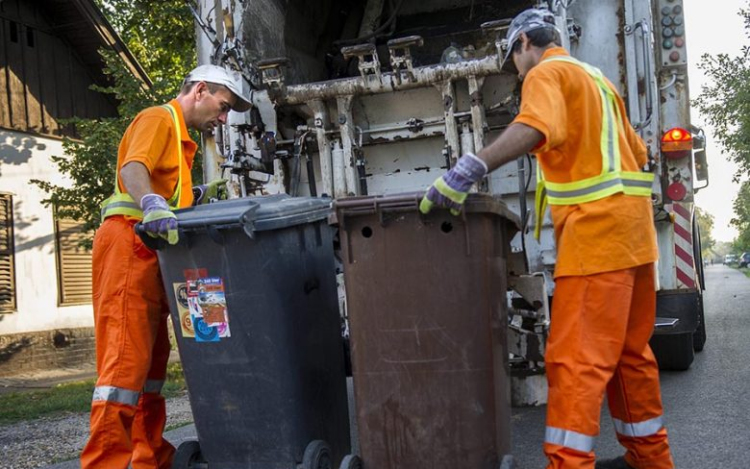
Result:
<point x="212" y="109"/>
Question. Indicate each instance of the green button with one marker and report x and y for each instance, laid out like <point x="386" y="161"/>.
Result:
<point x="667" y="44"/>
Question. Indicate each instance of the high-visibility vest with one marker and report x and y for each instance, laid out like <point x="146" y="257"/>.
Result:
<point x="123" y="204"/>
<point x="612" y="179"/>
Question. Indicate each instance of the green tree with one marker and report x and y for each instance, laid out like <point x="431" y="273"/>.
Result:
<point x="161" y="35"/>
<point x="706" y="226"/>
<point x="725" y="104"/>
<point x="741" y="218"/>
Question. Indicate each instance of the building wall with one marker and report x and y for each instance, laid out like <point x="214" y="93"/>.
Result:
<point x="38" y="317"/>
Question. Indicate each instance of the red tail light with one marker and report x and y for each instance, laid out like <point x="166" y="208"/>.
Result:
<point x="676" y="143"/>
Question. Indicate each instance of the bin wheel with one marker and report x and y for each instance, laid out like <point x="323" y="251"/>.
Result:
<point x="351" y="461"/>
<point x="188" y="456"/>
<point x="317" y="456"/>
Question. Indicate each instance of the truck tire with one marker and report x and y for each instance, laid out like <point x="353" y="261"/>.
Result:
<point x="674" y="352"/>
<point x="699" y="336"/>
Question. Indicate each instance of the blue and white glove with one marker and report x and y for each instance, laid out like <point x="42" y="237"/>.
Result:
<point x="158" y="220"/>
<point x="451" y="189"/>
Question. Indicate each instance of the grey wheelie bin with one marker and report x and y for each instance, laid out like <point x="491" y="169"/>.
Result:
<point x="426" y="300"/>
<point x="253" y="299"/>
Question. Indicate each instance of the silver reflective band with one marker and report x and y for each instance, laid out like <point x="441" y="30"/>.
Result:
<point x="153" y="386"/>
<point x="645" y="428"/>
<point x="113" y="394"/>
<point x="130" y="205"/>
<point x="569" y="439"/>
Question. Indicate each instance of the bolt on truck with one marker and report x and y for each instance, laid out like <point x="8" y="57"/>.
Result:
<point x="376" y="97"/>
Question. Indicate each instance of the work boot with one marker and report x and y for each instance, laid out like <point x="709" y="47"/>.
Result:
<point x="617" y="463"/>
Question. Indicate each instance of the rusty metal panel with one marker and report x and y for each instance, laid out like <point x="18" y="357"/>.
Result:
<point x="427" y="309"/>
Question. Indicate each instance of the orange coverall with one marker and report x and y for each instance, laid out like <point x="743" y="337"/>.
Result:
<point x="131" y="310"/>
<point x="605" y="301"/>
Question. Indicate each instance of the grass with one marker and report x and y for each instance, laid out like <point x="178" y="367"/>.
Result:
<point x="69" y="397"/>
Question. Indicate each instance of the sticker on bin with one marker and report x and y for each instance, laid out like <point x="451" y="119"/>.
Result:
<point x="207" y="305"/>
<point x="183" y="310"/>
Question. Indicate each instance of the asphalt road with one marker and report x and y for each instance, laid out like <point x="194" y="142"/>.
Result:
<point x="706" y="407"/>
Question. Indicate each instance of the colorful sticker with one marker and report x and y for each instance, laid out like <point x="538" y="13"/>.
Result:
<point x="183" y="311"/>
<point x="204" y="332"/>
<point x="207" y="305"/>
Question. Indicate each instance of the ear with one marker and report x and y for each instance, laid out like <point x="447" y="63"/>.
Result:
<point x="525" y="43"/>
<point x="200" y="89"/>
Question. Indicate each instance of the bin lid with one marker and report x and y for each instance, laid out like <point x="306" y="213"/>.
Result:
<point x="475" y="203"/>
<point x="264" y="213"/>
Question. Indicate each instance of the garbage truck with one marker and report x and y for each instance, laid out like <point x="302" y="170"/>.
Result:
<point x="378" y="97"/>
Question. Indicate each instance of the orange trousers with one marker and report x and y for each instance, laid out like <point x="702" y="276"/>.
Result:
<point x="128" y="412"/>
<point x="600" y="328"/>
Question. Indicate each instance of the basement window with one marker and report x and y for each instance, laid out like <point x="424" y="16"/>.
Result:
<point x="73" y="262"/>
<point x="7" y="256"/>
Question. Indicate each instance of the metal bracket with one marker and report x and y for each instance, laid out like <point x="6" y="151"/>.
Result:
<point x="369" y="64"/>
<point x="272" y="71"/>
<point x="401" y="59"/>
<point x="497" y="28"/>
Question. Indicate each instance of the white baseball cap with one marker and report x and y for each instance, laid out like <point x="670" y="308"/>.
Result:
<point x="221" y="76"/>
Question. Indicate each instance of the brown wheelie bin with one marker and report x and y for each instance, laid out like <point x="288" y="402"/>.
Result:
<point x="426" y="300"/>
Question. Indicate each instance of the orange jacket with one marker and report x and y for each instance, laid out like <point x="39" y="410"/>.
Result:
<point x="562" y="102"/>
<point x="151" y="140"/>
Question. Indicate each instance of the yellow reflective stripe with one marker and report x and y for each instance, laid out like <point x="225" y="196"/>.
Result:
<point x="174" y="201"/>
<point x="612" y="179"/>
<point x="540" y="202"/>
<point x="123" y="204"/>
<point x="452" y="194"/>
<point x="628" y="182"/>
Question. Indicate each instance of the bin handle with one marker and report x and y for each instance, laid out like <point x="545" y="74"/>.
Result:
<point x="248" y="220"/>
<point x="152" y="243"/>
<point x="156" y="244"/>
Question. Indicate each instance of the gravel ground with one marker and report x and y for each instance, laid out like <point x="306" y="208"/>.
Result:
<point x="38" y="443"/>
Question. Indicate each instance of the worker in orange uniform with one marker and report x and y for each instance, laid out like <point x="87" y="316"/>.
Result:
<point x="589" y="160"/>
<point x="130" y="306"/>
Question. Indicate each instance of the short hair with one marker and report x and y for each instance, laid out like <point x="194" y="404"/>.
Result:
<point x="212" y="87"/>
<point x="541" y="37"/>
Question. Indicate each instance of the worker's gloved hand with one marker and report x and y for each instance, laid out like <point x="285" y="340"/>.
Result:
<point x="206" y="193"/>
<point x="158" y="220"/>
<point x="451" y="189"/>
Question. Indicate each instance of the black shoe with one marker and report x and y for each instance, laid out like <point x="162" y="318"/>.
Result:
<point x="617" y="463"/>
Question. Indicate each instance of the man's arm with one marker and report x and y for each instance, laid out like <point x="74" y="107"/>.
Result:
<point x="136" y="179"/>
<point x="517" y="140"/>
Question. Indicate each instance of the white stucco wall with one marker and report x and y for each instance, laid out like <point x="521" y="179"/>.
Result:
<point x="24" y="157"/>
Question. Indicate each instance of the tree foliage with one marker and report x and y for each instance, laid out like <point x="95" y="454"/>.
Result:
<point x="725" y="103"/>
<point x="706" y="226"/>
<point x="741" y="219"/>
<point x="161" y="35"/>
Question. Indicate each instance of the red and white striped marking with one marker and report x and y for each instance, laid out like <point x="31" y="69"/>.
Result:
<point x="683" y="245"/>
